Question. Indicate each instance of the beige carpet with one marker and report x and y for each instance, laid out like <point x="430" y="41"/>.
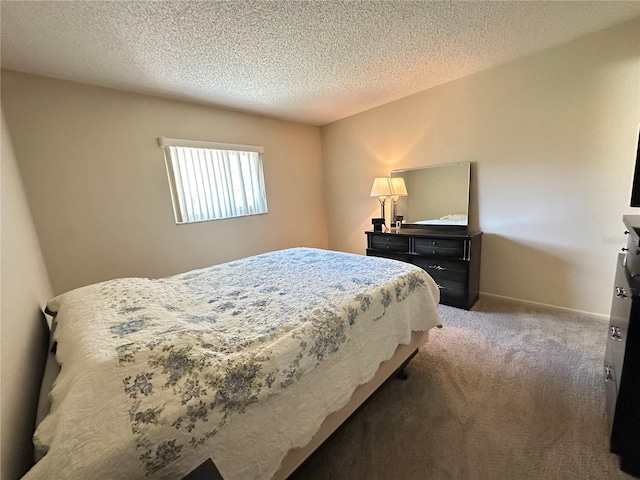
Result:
<point x="505" y="391"/>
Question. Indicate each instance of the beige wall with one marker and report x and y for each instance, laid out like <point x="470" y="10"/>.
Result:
<point x="25" y="287"/>
<point x="552" y="139"/>
<point x="96" y="181"/>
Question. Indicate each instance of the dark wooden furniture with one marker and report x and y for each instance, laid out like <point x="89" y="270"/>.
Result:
<point x="622" y="357"/>
<point x="451" y="257"/>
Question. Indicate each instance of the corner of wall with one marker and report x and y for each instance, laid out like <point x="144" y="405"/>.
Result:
<point x="23" y="331"/>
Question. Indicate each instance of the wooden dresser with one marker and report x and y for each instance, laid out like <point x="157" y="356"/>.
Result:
<point x="452" y="258"/>
<point x="622" y="357"/>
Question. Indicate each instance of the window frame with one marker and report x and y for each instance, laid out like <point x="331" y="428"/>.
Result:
<point x="176" y="187"/>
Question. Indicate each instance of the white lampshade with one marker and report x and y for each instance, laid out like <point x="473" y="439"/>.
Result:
<point x="381" y="187"/>
<point x="398" y="188"/>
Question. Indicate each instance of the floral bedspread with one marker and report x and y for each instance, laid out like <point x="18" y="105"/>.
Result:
<point x="239" y="362"/>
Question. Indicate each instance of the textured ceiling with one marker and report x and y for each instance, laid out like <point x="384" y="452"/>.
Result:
<point x="313" y="62"/>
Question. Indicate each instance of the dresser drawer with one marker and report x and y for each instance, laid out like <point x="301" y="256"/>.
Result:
<point x="450" y="282"/>
<point x="452" y="278"/>
<point x="453" y="296"/>
<point x="611" y="394"/>
<point x="619" y="320"/>
<point x="437" y="247"/>
<point x="435" y="266"/>
<point x="403" y="257"/>
<point x="396" y="243"/>
<point x="448" y="274"/>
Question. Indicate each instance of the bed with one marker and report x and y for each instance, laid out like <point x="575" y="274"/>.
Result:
<point x="252" y="363"/>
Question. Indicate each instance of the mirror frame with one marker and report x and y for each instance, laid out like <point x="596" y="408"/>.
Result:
<point x="457" y="228"/>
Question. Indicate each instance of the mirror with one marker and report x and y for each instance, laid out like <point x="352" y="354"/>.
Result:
<point x="436" y="195"/>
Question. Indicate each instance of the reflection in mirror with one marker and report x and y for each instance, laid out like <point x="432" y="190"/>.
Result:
<point x="436" y="195"/>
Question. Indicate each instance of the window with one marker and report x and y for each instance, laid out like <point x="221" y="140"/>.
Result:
<point x="214" y="180"/>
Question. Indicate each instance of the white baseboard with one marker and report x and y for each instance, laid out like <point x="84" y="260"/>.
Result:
<point x="597" y="316"/>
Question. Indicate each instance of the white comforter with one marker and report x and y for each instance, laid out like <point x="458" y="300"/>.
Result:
<point x="239" y="362"/>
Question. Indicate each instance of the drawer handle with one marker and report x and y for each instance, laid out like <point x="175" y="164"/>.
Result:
<point x="624" y="249"/>
<point x="436" y="267"/>
<point x="620" y="293"/>
<point x="615" y="333"/>
<point x="608" y="376"/>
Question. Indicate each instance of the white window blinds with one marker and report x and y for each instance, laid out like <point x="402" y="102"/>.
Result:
<point x="214" y="180"/>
